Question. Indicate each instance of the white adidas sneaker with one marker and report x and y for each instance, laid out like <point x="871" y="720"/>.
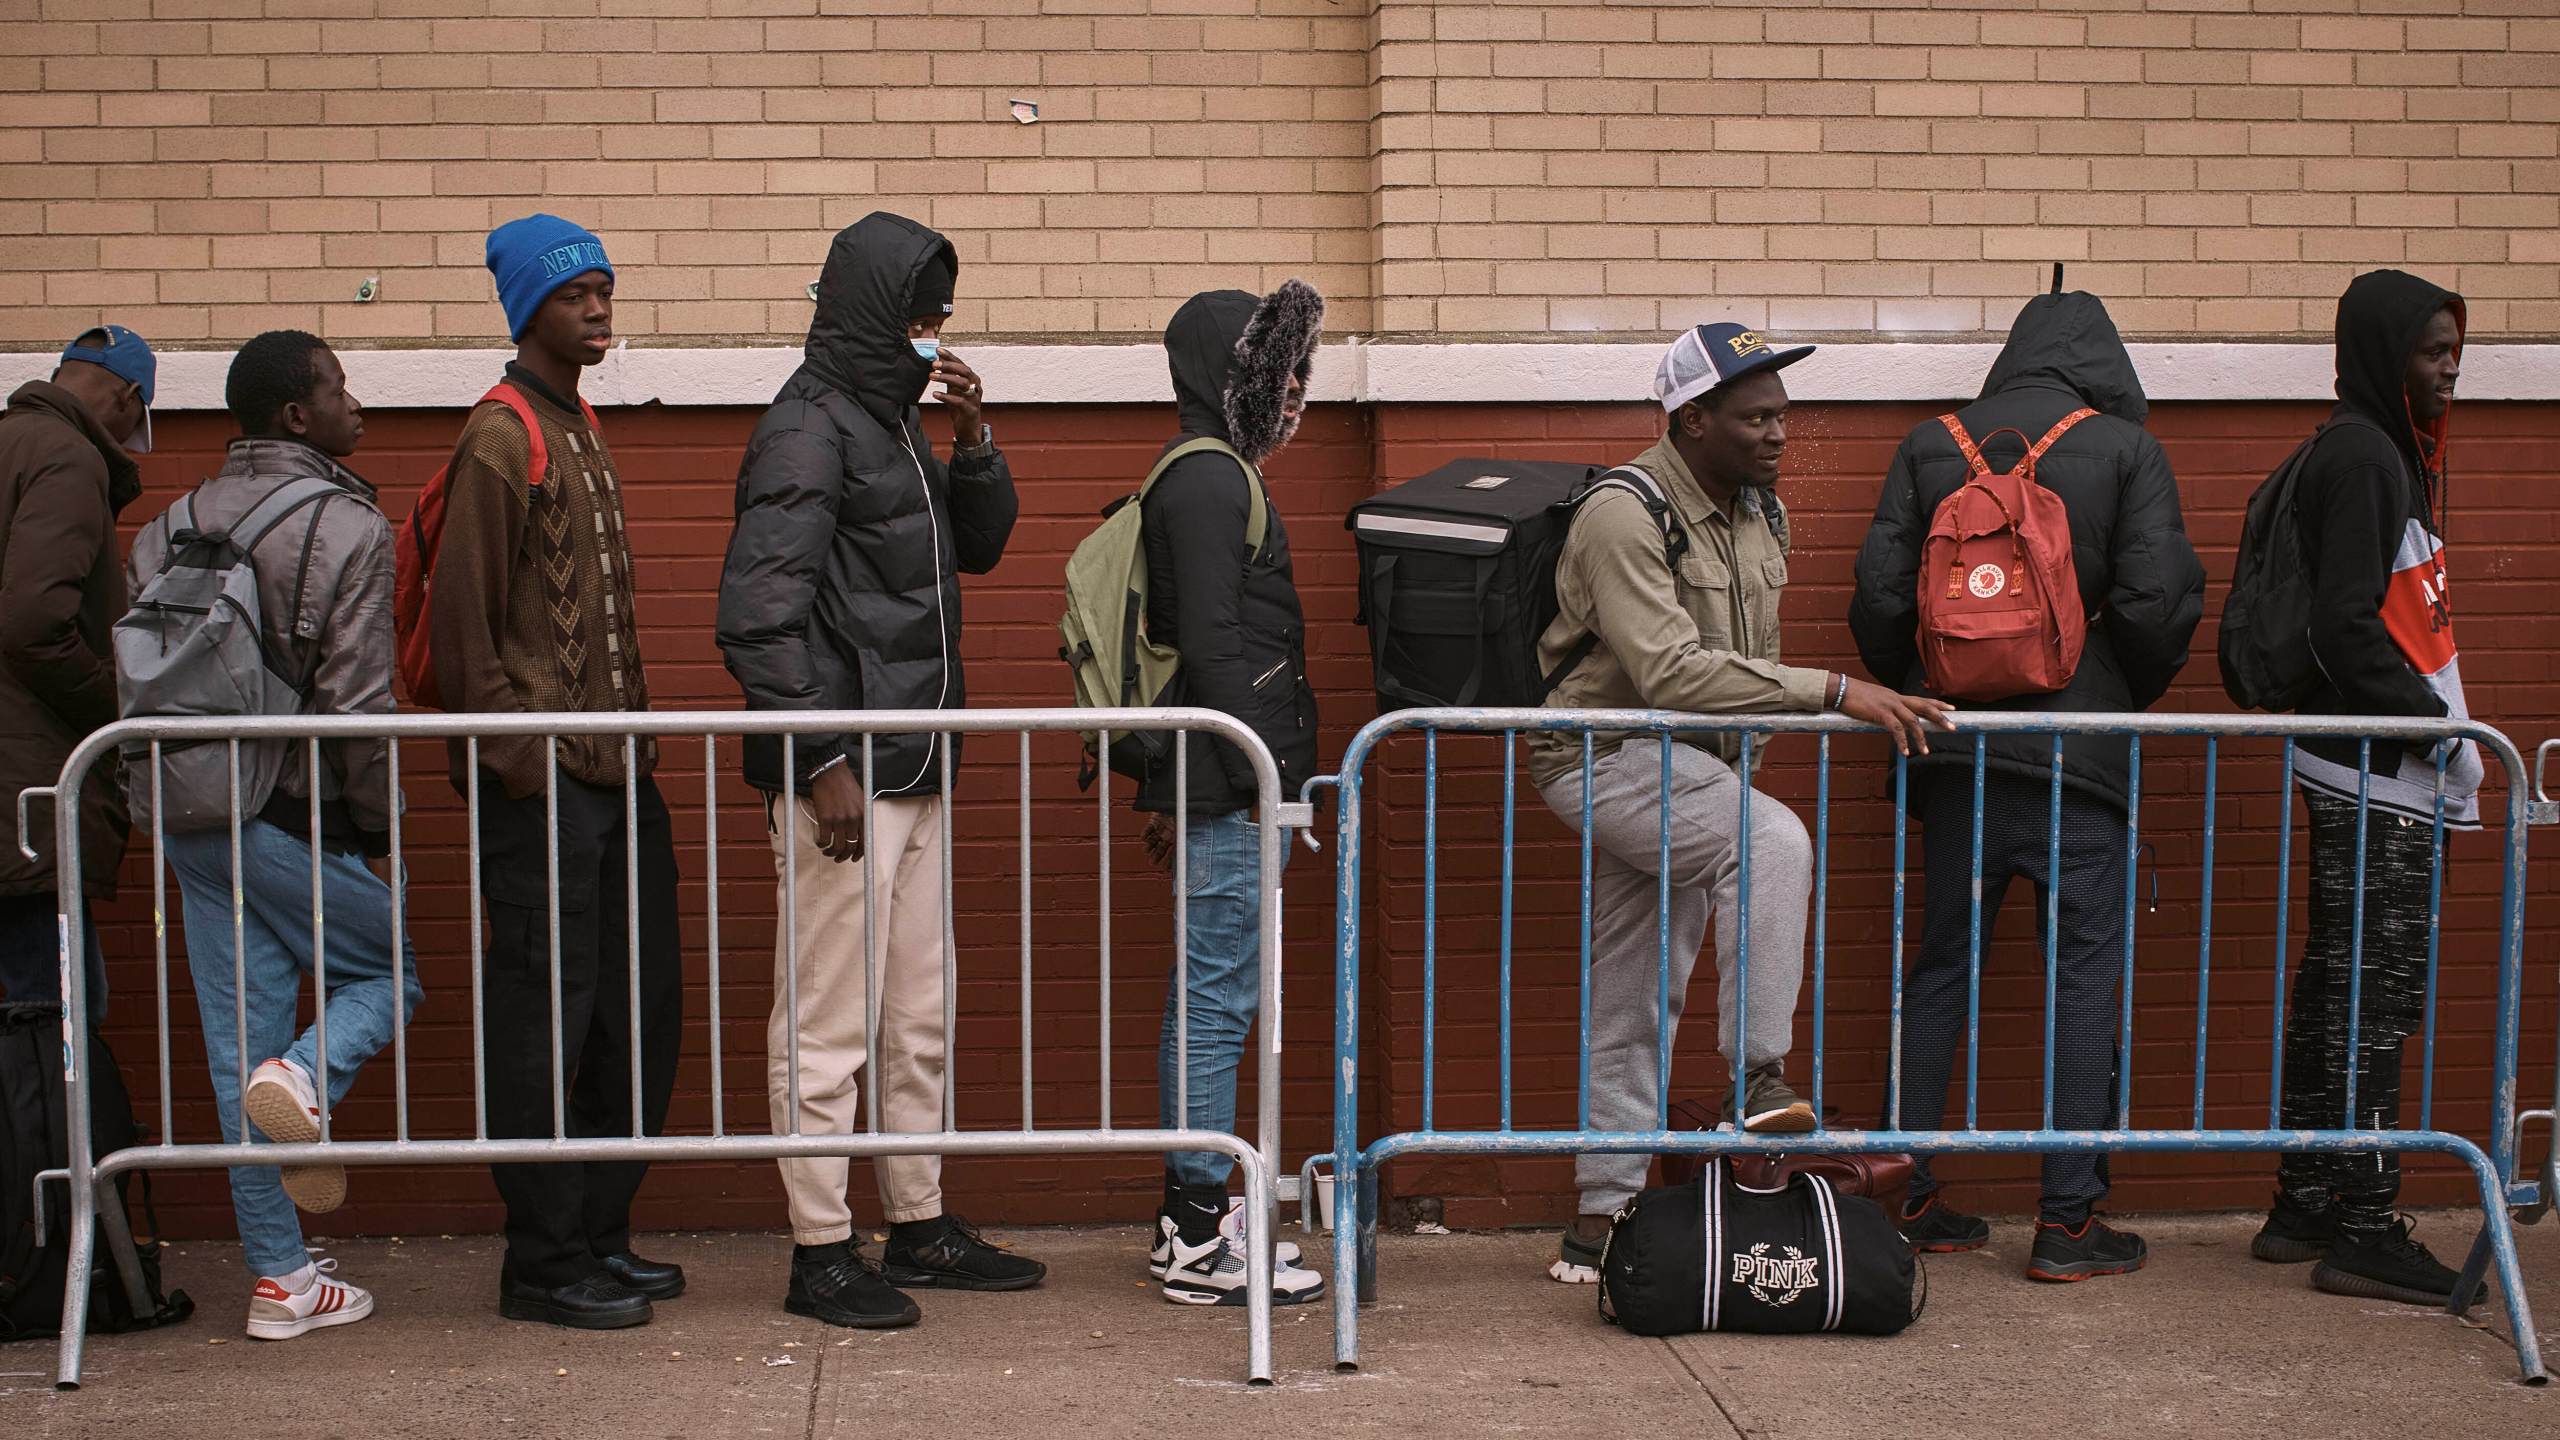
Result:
<point x="1213" y="1273"/>
<point x="282" y="1102"/>
<point x="277" y="1311"/>
<point x="1230" y="1225"/>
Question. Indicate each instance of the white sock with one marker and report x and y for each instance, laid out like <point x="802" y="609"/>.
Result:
<point x="298" y="1281"/>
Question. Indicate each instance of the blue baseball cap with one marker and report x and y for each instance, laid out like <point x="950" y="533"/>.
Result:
<point x="127" y="357"/>
<point x="1713" y="355"/>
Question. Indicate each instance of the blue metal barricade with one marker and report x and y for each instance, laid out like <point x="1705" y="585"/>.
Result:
<point x="94" y="1209"/>
<point x="2538" y="1196"/>
<point x="1357" y="1165"/>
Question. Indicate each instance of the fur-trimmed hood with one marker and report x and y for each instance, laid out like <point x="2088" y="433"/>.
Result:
<point x="1232" y="358"/>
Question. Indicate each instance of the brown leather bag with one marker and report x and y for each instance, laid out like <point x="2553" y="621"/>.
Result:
<point x="1882" y="1178"/>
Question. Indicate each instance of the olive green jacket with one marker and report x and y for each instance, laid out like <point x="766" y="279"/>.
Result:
<point x="1701" y="636"/>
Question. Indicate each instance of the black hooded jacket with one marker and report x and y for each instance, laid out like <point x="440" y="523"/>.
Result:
<point x="2360" y="491"/>
<point x="2139" y="577"/>
<point x="1233" y="616"/>
<point x="841" y="589"/>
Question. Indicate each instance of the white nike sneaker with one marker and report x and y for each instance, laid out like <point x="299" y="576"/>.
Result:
<point x="1213" y="1273"/>
<point x="1230" y="1225"/>
<point x="282" y="1102"/>
<point x="277" y="1311"/>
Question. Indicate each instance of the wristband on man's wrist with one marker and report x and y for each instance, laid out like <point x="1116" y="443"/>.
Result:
<point x="1840" y="690"/>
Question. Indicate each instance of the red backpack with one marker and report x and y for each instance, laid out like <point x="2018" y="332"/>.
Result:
<point x="1999" y="597"/>
<point x="420" y="536"/>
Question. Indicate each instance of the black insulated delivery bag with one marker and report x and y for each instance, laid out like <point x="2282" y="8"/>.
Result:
<point x="1715" y="1254"/>
<point x="1458" y="580"/>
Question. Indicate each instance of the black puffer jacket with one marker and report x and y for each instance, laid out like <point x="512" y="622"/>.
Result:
<point x="1234" y="616"/>
<point x="841" y="590"/>
<point x="2139" y="577"/>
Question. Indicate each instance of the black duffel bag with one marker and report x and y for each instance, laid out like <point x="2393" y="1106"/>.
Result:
<point x="1715" y="1254"/>
<point x="34" y="1114"/>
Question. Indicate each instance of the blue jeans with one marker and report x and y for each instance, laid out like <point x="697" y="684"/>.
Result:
<point x="31" y="958"/>
<point x="275" y="953"/>
<point x="1223" y="880"/>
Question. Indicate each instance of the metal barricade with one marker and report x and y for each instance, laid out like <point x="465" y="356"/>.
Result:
<point x="2537" y="1197"/>
<point x="89" y="1178"/>
<point x="1357" y="1164"/>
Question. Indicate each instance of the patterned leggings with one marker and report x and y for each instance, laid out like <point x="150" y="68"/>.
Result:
<point x="2361" y="1189"/>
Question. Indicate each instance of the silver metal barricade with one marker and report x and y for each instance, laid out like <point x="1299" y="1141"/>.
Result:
<point x="90" y="1178"/>
<point x="1357" y="1164"/>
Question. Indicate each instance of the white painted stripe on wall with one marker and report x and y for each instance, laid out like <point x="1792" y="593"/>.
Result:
<point x="1386" y="372"/>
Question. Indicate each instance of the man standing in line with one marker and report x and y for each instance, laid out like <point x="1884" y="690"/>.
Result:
<point x="2139" y="576"/>
<point x="1240" y="370"/>
<point x="2370" y="508"/>
<point x="841" y="591"/>
<point x="322" y="552"/>
<point x="1667" y="595"/>
<point x="531" y="612"/>
<point x="66" y="469"/>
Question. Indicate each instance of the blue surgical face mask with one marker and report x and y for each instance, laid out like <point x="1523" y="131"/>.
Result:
<point x="927" y="347"/>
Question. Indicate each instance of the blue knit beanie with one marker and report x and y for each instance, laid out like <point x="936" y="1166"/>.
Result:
<point x="536" y="255"/>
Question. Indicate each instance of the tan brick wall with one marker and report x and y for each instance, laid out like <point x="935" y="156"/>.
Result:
<point x="208" y="168"/>
<point x="2214" y="167"/>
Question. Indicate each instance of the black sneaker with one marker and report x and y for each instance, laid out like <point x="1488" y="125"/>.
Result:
<point x="2093" y="1249"/>
<point x="1934" y="1229"/>
<point x="953" y="1257"/>
<point x="1577" y="1259"/>
<point x="2391" y="1266"/>
<point x="2293" y="1235"/>
<point x="836" y="1284"/>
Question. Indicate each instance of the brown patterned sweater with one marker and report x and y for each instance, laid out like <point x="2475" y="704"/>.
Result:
<point x="532" y="601"/>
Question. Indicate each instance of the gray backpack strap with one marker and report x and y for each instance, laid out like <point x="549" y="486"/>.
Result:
<point x="274" y="508"/>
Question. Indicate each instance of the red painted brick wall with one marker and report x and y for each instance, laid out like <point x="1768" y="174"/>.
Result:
<point x="1069" y="461"/>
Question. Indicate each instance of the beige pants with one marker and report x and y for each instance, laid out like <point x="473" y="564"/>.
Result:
<point x="904" y="859"/>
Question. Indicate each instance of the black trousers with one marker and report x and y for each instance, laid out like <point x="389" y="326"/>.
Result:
<point x="2088" y="962"/>
<point x="2361" y="1189"/>
<point x="564" y="1218"/>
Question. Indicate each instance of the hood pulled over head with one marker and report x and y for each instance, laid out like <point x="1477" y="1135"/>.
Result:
<point x="1233" y="358"/>
<point x="2379" y="321"/>
<point x="2069" y="341"/>
<point x="866" y="295"/>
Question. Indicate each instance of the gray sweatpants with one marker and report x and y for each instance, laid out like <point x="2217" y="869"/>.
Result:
<point x="1626" y="952"/>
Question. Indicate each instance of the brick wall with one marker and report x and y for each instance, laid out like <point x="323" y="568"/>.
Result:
<point x="1070" y="460"/>
<point x="204" y="169"/>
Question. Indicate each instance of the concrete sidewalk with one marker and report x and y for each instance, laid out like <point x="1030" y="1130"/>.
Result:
<point x="1469" y="1339"/>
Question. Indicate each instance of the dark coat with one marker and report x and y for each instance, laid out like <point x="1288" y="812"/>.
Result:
<point x="841" y="590"/>
<point x="2139" y="578"/>
<point x="1233" y="616"/>
<point x="62" y="481"/>
<point x="2359" y="492"/>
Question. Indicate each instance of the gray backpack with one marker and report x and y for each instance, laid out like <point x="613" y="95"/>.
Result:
<point x="194" y="643"/>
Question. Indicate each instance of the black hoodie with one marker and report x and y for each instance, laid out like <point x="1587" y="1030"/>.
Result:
<point x="1234" y="616"/>
<point x="2139" y="577"/>
<point x="2368" y="501"/>
<point x="841" y="588"/>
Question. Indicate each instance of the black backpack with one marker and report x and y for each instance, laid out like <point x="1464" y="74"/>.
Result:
<point x="33" y="1139"/>
<point x="1715" y="1254"/>
<point x="2265" y="643"/>
<point x="1458" y="577"/>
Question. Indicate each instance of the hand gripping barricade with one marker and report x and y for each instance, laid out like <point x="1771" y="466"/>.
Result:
<point x="90" y="1176"/>
<point x="2491" y="1164"/>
